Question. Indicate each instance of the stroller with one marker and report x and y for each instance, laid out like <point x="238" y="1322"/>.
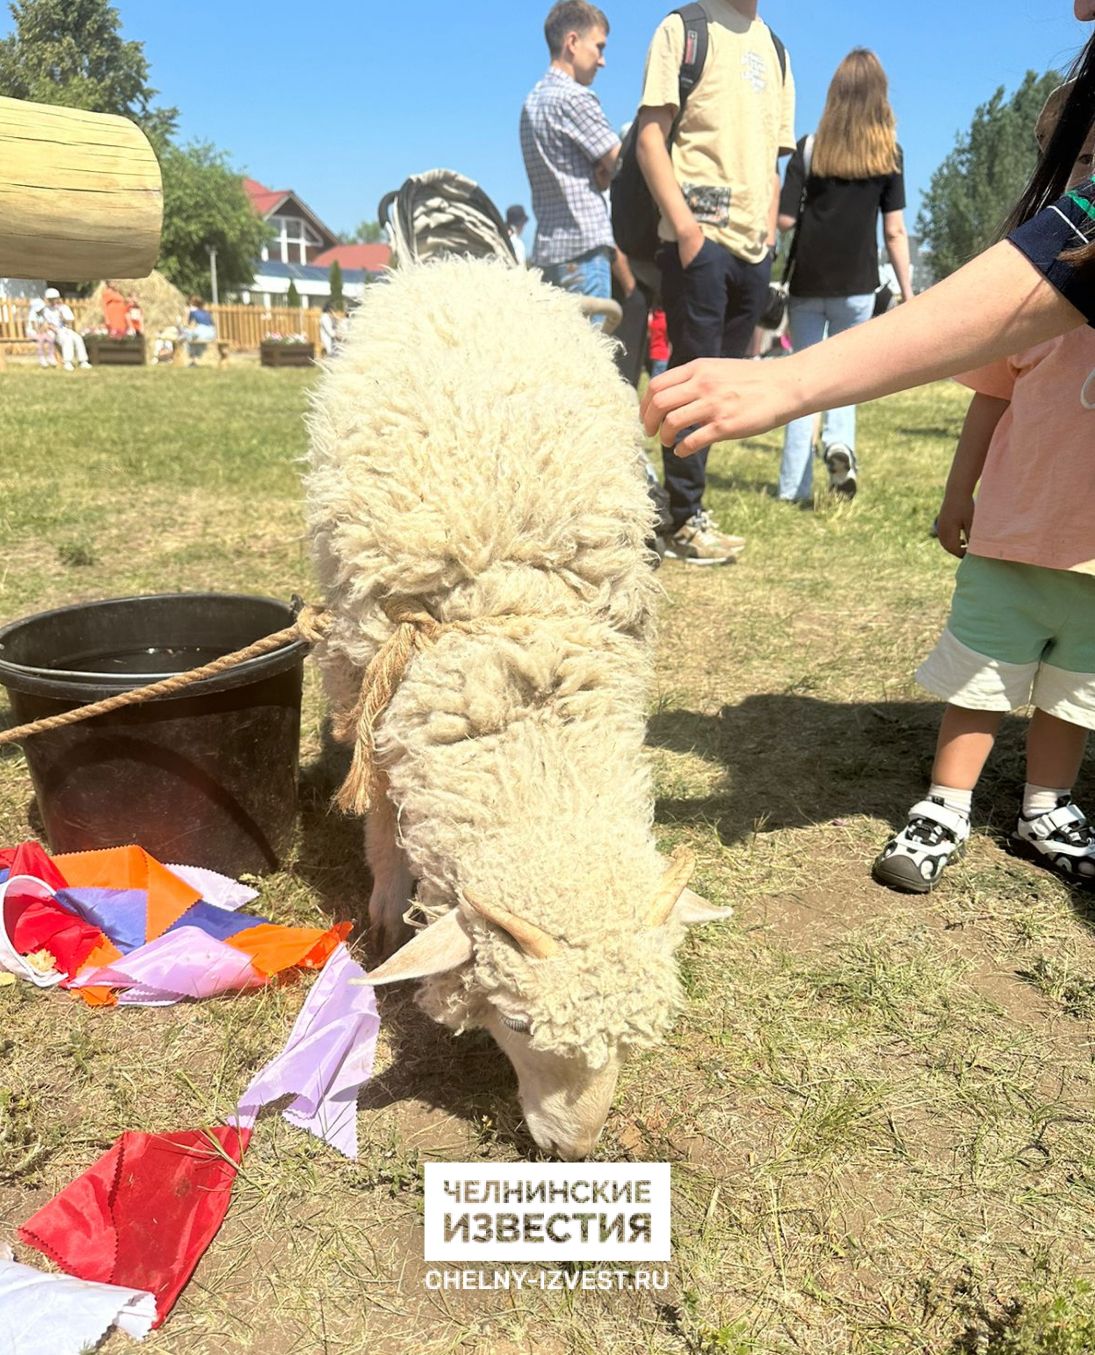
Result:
<point x="442" y="212"/>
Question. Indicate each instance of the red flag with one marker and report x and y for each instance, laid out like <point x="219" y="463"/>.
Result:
<point x="29" y="858"/>
<point x="144" y="1213"/>
<point x="44" y="925"/>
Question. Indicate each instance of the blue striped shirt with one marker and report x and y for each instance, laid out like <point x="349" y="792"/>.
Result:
<point x="564" y="132"/>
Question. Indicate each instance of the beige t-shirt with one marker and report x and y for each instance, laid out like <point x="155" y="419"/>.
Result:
<point x="737" y="121"/>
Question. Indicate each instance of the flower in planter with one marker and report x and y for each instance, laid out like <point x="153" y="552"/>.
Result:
<point x="101" y="332"/>
<point x="286" y="338"/>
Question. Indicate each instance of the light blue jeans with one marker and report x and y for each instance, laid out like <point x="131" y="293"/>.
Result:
<point x="588" y="275"/>
<point x="811" y="319"/>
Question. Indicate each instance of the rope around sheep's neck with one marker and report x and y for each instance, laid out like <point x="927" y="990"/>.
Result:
<point x="414" y="632"/>
<point x="310" y="625"/>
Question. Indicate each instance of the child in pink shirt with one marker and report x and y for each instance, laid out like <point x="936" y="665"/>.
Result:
<point x="1022" y="623"/>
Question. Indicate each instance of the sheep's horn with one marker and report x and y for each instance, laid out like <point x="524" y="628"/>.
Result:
<point x="674" y="881"/>
<point x="533" y="940"/>
<point x="604" y="307"/>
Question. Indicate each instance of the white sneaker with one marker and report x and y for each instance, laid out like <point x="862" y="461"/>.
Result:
<point x="843" y="470"/>
<point x="914" y="859"/>
<point x="68" y="367"/>
<point x="85" y="364"/>
<point x="1061" y="840"/>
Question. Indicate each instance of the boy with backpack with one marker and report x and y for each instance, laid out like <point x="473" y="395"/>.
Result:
<point x="708" y="141"/>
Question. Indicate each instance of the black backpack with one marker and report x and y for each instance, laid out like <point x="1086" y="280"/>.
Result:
<point x="635" y="214"/>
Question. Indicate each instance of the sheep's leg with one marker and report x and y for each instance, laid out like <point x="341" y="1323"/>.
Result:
<point x="393" y="883"/>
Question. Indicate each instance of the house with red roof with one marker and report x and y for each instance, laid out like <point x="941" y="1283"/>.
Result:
<point x="299" y="235"/>
<point x="373" y="258"/>
<point x="302" y="250"/>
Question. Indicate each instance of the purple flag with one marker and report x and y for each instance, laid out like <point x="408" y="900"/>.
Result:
<point x="328" y="1055"/>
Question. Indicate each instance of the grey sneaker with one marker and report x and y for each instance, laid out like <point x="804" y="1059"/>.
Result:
<point x="914" y="859"/>
<point x="843" y="470"/>
<point x="1062" y="840"/>
<point x="699" y="542"/>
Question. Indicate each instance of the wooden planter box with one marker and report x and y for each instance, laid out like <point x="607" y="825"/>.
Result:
<point x="103" y="351"/>
<point x="287" y="354"/>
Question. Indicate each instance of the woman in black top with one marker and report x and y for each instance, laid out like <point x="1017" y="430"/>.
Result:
<point x="852" y="172"/>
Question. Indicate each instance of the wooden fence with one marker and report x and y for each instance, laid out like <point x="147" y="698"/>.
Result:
<point x="245" y="327"/>
<point x="241" y="327"/>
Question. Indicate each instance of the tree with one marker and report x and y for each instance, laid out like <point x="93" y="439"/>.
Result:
<point x="71" y="52"/>
<point x="364" y="233"/>
<point x="335" y="276"/>
<point x="973" y="189"/>
<point x="292" y="296"/>
<point x="205" y="205"/>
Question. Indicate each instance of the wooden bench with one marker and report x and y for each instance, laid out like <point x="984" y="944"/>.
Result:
<point x="15" y="347"/>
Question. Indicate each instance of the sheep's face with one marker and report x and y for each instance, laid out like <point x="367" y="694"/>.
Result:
<point x="565" y="1102"/>
<point x="565" y="1016"/>
<point x="566" y="1021"/>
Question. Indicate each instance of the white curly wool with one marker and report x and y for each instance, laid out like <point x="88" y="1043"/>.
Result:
<point x="475" y="453"/>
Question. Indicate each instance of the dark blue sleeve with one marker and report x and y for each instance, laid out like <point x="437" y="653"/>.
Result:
<point x="1066" y="225"/>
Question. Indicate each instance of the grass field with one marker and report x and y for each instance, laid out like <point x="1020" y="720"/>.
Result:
<point x="879" y="1109"/>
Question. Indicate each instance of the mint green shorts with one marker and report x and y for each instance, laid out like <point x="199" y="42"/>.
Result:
<point x="1018" y="635"/>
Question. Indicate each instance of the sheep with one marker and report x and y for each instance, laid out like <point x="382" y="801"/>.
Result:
<point x="476" y="493"/>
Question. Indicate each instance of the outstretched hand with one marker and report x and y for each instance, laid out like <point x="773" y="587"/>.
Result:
<point x="718" y="398"/>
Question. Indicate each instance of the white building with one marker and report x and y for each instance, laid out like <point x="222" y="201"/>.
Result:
<point x="302" y="252"/>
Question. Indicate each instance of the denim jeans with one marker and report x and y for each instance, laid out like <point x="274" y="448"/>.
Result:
<point x="711" y="310"/>
<point x="587" y="275"/>
<point x="809" y="318"/>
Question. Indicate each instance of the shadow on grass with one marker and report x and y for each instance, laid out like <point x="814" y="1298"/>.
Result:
<point x="947" y="431"/>
<point x="1054" y="1323"/>
<point x="465" y="1076"/>
<point x="791" y="760"/>
<point x="331" y="855"/>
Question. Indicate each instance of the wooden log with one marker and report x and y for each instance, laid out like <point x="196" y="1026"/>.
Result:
<point x="80" y="194"/>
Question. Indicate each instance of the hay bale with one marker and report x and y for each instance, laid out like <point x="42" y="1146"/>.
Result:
<point x="162" y="302"/>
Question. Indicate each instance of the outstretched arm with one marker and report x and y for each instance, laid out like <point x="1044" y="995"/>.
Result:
<point x="996" y="305"/>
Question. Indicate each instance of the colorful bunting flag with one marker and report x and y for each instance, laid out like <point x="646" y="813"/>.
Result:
<point x="44" y="1314"/>
<point x="143" y="1214"/>
<point x="117" y="926"/>
<point x="328" y="1055"/>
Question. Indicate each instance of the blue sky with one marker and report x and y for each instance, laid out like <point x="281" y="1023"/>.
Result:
<point x="342" y="101"/>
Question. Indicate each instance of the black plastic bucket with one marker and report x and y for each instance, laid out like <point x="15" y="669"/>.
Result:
<point x="206" y="778"/>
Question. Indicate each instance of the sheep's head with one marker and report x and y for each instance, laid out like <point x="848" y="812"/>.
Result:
<point x="565" y="1016"/>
